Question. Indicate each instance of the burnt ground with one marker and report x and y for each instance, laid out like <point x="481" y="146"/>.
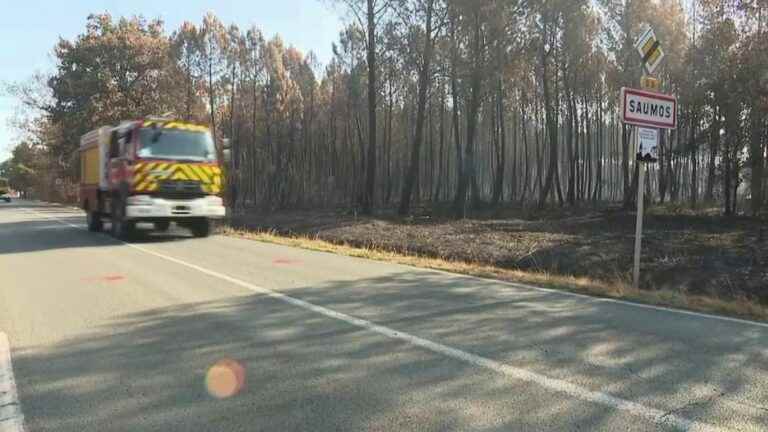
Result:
<point x="698" y="254"/>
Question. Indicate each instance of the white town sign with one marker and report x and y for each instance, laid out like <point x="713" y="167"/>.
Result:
<point x="649" y="109"/>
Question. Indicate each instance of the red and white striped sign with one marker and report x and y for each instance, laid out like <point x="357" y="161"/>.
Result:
<point x="649" y="109"/>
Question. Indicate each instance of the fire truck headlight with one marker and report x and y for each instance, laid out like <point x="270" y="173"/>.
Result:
<point x="138" y="200"/>
<point x="214" y="201"/>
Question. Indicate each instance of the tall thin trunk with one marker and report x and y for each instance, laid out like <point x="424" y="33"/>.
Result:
<point x="550" y="113"/>
<point x="390" y="109"/>
<point x="571" y="131"/>
<point x="756" y="161"/>
<point x="714" y="145"/>
<point x="455" y="112"/>
<point x="471" y="114"/>
<point x="539" y="156"/>
<point x="728" y="162"/>
<point x="234" y="177"/>
<point x="625" y="137"/>
<point x="498" y="188"/>
<point x="370" y="181"/>
<point x="663" y="149"/>
<point x="424" y="84"/>
<point x="513" y="189"/>
<point x="527" y="172"/>
<point x="693" y="148"/>
<point x="600" y="151"/>
<point x="587" y="182"/>
<point x="189" y="84"/>
<point x="211" y="96"/>
<point x="440" y="174"/>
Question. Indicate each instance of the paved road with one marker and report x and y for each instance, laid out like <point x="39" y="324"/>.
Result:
<point x="112" y="336"/>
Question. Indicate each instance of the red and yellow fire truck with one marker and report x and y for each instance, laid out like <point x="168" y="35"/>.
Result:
<point x="154" y="170"/>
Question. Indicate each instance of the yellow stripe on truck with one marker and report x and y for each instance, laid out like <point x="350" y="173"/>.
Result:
<point x="142" y="187"/>
<point x="179" y="175"/>
<point x="147" y="175"/>
<point x="203" y="175"/>
<point x="138" y="179"/>
<point x="217" y="176"/>
<point x="190" y="172"/>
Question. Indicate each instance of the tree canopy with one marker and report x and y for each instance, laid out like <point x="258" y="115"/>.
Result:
<point x="474" y="103"/>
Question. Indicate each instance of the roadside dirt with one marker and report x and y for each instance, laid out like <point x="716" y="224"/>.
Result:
<point x="697" y="254"/>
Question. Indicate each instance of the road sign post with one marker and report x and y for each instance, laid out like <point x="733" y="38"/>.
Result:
<point x="650" y="111"/>
<point x="647" y="152"/>
<point x="639" y="224"/>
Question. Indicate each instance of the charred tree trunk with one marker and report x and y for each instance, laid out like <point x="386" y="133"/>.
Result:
<point x="368" y="200"/>
<point x="714" y="146"/>
<point x="693" y="148"/>
<point x="551" y="125"/>
<point x="498" y="188"/>
<point x="424" y="83"/>
<point x="473" y="107"/>
<point x="756" y="161"/>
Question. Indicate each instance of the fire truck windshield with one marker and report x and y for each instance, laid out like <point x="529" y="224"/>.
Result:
<point x="176" y="144"/>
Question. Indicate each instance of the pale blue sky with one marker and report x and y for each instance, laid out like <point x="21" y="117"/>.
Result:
<point x="30" y="28"/>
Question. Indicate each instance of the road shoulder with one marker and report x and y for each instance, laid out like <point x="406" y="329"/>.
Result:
<point x="11" y="417"/>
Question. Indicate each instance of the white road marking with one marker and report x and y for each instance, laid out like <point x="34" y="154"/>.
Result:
<point x="654" y="415"/>
<point x="518" y="285"/>
<point x="53" y="227"/>
<point x="11" y="418"/>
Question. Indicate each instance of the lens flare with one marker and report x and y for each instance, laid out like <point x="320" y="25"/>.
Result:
<point x="225" y="379"/>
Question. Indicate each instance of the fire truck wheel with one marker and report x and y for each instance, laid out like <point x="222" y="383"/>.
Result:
<point x="95" y="223"/>
<point x="162" y="226"/>
<point x="121" y="228"/>
<point x="201" y="228"/>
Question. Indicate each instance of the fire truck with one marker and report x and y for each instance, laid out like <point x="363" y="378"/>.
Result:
<point x="5" y="190"/>
<point x="156" y="170"/>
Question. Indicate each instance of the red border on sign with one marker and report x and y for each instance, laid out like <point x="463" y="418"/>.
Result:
<point x="637" y="122"/>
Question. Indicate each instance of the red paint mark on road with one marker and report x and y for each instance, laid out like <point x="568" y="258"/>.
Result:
<point x="106" y="278"/>
<point x="285" y="261"/>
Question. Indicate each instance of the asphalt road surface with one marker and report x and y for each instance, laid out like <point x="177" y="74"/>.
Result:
<point x="172" y="333"/>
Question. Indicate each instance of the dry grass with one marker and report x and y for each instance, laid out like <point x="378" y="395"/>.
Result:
<point x="618" y="288"/>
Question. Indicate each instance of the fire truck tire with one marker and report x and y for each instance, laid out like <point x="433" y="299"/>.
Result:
<point x="95" y="223"/>
<point x="162" y="226"/>
<point x="121" y="229"/>
<point x="200" y="228"/>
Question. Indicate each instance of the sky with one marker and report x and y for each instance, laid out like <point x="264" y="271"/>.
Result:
<point x="30" y="28"/>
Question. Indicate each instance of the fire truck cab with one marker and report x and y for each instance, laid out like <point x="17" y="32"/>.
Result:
<point x="156" y="170"/>
<point x="5" y="190"/>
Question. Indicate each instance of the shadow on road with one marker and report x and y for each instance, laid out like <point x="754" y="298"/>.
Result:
<point x="50" y="227"/>
<point x="146" y="371"/>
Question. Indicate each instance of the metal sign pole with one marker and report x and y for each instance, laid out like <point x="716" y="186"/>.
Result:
<point x="646" y="138"/>
<point x="639" y="225"/>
